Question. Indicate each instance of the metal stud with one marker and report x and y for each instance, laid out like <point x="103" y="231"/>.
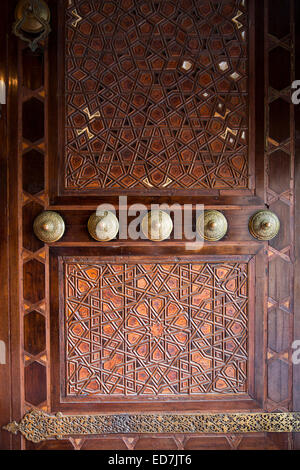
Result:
<point x="212" y="225"/>
<point x="49" y="227"/>
<point x="157" y="225"/>
<point x="103" y="226"/>
<point x="264" y="225"/>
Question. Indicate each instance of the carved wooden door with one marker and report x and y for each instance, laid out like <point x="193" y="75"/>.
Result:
<point x="154" y="344"/>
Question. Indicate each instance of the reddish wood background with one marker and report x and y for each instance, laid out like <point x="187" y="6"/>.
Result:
<point x="28" y="180"/>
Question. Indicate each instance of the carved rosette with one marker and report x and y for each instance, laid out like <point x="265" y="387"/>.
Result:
<point x="49" y="227"/>
<point x="212" y="225"/>
<point x="103" y="226"/>
<point x="264" y="225"/>
<point x="38" y="426"/>
<point x="157" y="225"/>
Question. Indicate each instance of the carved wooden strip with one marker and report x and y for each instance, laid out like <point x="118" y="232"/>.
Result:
<point x="33" y="79"/>
<point x="279" y="161"/>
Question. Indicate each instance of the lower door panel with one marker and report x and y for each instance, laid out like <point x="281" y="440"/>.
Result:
<point x="137" y="335"/>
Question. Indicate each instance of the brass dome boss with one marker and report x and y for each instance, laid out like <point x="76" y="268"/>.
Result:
<point x="49" y="227"/>
<point x="264" y="225"/>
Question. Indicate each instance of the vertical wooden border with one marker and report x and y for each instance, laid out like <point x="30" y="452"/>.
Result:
<point x="259" y="113"/>
<point x="14" y="258"/>
<point x="296" y="368"/>
<point x="281" y="256"/>
<point x="53" y="110"/>
<point x="13" y="182"/>
<point x="260" y="328"/>
<point x="37" y="255"/>
<point x="252" y="312"/>
<point x="46" y="195"/>
<point x="252" y="95"/>
<point x="5" y="373"/>
<point x="26" y="366"/>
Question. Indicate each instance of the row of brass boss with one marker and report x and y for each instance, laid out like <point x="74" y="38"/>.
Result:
<point x="157" y="225"/>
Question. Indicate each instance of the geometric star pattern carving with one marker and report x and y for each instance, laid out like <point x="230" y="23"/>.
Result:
<point x="156" y="95"/>
<point x="174" y="329"/>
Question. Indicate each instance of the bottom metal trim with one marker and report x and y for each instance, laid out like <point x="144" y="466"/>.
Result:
<point x="37" y="426"/>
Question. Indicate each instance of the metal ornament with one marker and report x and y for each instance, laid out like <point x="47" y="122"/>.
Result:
<point x="103" y="226"/>
<point x="212" y="225"/>
<point x="264" y="225"/>
<point x="157" y="225"/>
<point x="49" y="227"/>
<point x="32" y="21"/>
<point x="37" y="426"/>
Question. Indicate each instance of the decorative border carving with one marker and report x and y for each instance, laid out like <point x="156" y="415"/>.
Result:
<point x="280" y="199"/>
<point x="38" y="426"/>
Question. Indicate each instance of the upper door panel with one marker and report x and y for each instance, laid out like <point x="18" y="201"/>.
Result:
<point x="155" y="97"/>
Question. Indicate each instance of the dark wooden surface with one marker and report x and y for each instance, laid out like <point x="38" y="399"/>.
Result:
<point x="12" y="392"/>
<point x="165" y="442"/>
<point x="26" y="274"/>
<point x="296" y="369"/>
<point x="279" y="164"/>
<point x="5" y="373"/>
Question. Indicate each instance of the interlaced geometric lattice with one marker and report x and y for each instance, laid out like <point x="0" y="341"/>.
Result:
<point x="156" y="329"/>
<point x="156" y="94"/>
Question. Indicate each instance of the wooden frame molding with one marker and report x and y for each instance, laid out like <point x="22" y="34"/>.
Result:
<point x="244" y="402"/>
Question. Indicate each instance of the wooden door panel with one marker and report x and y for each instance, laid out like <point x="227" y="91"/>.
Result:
<point x="136" y="326"/>
<point x="154" y="330"/>
<point x="173" y="96"/>
<point x="132" y="332"/>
